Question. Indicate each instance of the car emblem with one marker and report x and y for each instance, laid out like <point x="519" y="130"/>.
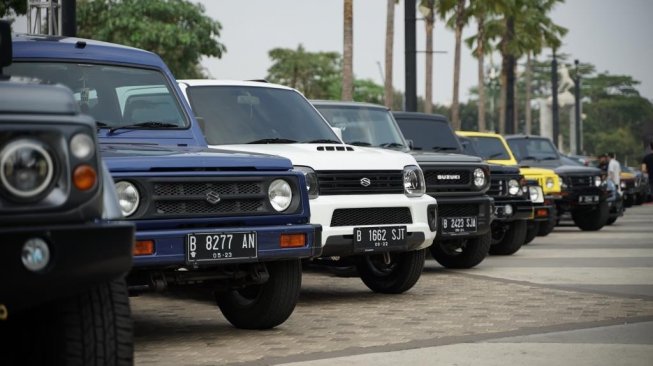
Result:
<point x="213" y="197"/>
<point x="448" y="176"/>
<point x="365" y="182"/>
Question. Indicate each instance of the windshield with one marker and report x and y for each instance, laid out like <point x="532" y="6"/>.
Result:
<point x="116" y="96"/>
<point x="469" y="146"/>
<point x="364" y="126"/>
<point x="533" y="149"/>
<point x="490" y="148"/>
<point x="246" y="114"/>
<point x="429" y="134"/>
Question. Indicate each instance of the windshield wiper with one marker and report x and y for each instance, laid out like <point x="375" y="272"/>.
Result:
<point x="148" y="124"/>
<point x="495" y="155"/>
<point x="391" y="144"/>
<point x="528" y="158"/>
<point x="549" y="158"/>
<point x="322" y="141"/>
<point x="443" y="148"/>
<point x="275" y="140"/>
<point x="359" y="143"/>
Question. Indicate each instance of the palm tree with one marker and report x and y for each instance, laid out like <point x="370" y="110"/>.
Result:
<point x="348" y="51"/>
<point x="459" y="20"/>
<point x="427" y="8"/>
<point x="389" y="41"/>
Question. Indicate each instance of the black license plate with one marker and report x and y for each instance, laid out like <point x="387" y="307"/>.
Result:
<point x="455" y="225"/>
<point x="586" y="200"/>
<point x="377" y="238"/>
<point x="208" y="247"/>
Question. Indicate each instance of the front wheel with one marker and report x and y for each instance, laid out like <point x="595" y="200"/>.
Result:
<point x="545" y="228"/>
<point x="512" y="240"/>
<point x="461" y="253"/>
<point x="531" y="231"/>
<point x="267" y="305"/>
<point x="92" y="328"/>
<point x="391" y="273"/>
<point x="591" y="220"/>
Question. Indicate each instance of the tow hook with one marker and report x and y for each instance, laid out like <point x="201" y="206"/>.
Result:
<point x="4" y="313"/>
<point x="259" y="273"/>
<point x="386" y="258"/>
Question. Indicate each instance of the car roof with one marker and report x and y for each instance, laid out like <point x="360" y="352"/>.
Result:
<point x="217" y="82"/>
<point x="419" y="115"/>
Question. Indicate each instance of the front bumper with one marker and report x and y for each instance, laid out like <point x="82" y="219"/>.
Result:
<point x="449" y="206"/>
<point x="170" y="245"/>
<point x="542" y="212"/>
<point x="520" y="208"/>
<point x="338" y="238"/>
<point x="81" y="255"/>
<point x="571" y="199"/>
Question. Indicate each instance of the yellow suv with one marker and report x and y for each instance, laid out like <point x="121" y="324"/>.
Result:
<point x="495" y="150"/>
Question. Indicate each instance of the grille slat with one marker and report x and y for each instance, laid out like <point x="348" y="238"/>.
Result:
<point x="497" y="187"/>
<point x="349" y="182"/>
<point x="457" y="210"/>
<point x="371" y="216"/>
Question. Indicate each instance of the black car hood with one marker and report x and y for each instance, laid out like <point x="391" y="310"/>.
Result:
<point x="503" y="169"/>
<point x="434" y="157"/>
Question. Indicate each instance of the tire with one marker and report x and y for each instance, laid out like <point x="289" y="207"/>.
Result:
<point x="267" y="305"/>
<point x="461" y="253"/>
<point x="512" y="240"/>
<point x="611" y="220"/>
<point x="531" y="231"/>
<point x="92" y="328"/>
<point x="397" y="277"/>
<point x="628" y="201"/>
<point x="547" y="227"/>
<point x="591" y="220"/>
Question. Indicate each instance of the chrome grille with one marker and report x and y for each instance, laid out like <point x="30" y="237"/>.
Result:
<point x="193" y="189"/>
<point x="371" y="216"/>
<point x="351" y="182"/>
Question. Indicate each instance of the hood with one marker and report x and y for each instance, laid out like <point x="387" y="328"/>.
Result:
<point x="332" y="156"/>
<point x="140" y="158"/>
<point x="577" y="170"/>
<point x="537" y="171"/>
<point x="503" y="169"/>
<point x="434" y="157"/>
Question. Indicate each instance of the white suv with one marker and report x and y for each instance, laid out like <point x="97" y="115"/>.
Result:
<point x="371" y="203"/>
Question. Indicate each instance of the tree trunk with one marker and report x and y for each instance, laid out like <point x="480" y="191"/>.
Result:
<point x="515" y="104"/>
<point x="348" y="52"/>
<point x="503" y="82"/>
<point x="428" y="88"/>
<point x="480" y="50"/>
<point x="389" y="42"/>
<point x="527" y="106"/>
<point x="508" y="77"/>
<point x="460" y="23"/>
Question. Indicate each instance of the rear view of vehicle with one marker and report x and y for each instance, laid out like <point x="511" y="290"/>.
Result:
<point x="369" y="202"/>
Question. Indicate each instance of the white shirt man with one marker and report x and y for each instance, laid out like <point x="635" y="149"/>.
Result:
<point x="614" y="171"/>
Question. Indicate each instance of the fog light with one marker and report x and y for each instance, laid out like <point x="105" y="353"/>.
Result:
<point x="292" y="240"/>
<point x="508" y="210"/>
<point x="35" y="254"/>
<point x="144" y="247"/>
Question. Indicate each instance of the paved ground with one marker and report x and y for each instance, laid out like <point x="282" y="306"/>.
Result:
<point x="569" y="298"/>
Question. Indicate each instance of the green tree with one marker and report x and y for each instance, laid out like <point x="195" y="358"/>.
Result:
<point x="177" y="30"/>
<point x="313" y="73"/>
<point x="9" y="8"/>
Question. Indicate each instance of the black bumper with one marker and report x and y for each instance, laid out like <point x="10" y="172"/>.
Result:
<point x="522" y="209"/>
<point x="570" y="199"/>
<point x="344" y="245"/>
<point x="80" y="256"/>
<point x="542" y="212"/>
<point x="452" y="206"/>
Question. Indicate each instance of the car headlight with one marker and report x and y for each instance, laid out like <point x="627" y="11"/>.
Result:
<point x="513" y="187"/>
<point x="414" y="184"/>
<point x="623" y="184"/>
<point x="536" y="194"/>
<point x="26" y="168"/>
<point x="637" y="183"/>
<point x="128" y="197"/>
<point x="280" y="194"/>
<point x="597" y="181"/>
<point x="549" y="183"/>
<point x="312" y="184"/>
<point x="479" y="177"/>
<point x="82" y="146"/>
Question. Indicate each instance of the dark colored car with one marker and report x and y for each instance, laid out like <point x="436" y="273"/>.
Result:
<point x="458" y="182"/>
<point x="583" y="193"/>
<point x="63" y="247"/>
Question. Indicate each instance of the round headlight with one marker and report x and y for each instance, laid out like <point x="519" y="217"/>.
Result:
<point x="513" y="187"/>
<point x="623" y="184"/>
<point x="535" y="193"/>
<point x="597" y="181"/>
<point x="549" y="183"/>
<point x="128" y="197"/>
<point x="26" y="168"/>
<point x="414" y="184"/>
<point x="280" y="194"/>
<point x="479" y="177"/>
<point x="82" y="146"/>
<point x="312" y="184"/>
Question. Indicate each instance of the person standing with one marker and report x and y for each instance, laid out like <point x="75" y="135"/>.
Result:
<point x="614" y="170"/>
<point x="647" y="167"/>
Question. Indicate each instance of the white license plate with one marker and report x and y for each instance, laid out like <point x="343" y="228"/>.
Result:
<point x="454" y="225"/>
<point x="588" y="199"/>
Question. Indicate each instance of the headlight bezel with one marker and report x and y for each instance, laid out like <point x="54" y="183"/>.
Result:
<point x="121" y="186"/>
<point x="51" y="170"/>
<point x="597" y="180"/>
<point x="479" y="174"/>
<point x="312" y="182"/>
<point x="276" y="186"/>
<point x="549" y="183"/>
<point x="536" y="191"/>
<point x="514" y="187"/>
<point x="82" y="141"/>
<point x="413" y="181"/>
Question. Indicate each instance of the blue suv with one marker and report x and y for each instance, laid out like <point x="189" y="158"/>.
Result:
<point x="233" y="223"/>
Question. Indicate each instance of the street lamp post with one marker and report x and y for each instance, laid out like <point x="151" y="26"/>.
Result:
<point x="577" y="108"/>
<point x="554" y="97"/>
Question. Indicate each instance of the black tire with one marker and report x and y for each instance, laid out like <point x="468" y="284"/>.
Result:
<point x="611" y="220"/>
<point x="461" y="253"/>
<point x="639" y="199"/>
<point x="591" y="220"/>
<point x="267" y="305"/>
<point x="397" y="277"/>
<point x="545" y="228"/>
<point x="532" y="229"/>
<point x="628" y="201"/>
<point x="512" y="240"/>
<point x="92" y="328"/>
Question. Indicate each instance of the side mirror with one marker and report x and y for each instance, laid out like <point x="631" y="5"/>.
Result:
<point x="6" y="53"/>
<point x="411" y="144"/>
<point x="338" y="132"/>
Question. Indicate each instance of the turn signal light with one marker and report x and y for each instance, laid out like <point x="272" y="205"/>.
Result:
<point x="144" y="247"/>
<point x="542" y="212"/>
<point x="84" y="177"/>
<point x="292" y="240"/>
